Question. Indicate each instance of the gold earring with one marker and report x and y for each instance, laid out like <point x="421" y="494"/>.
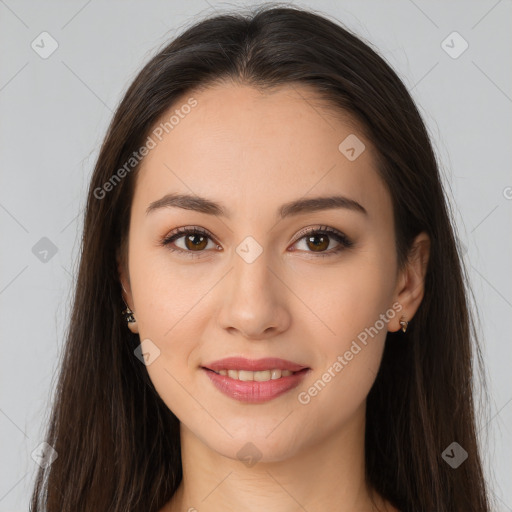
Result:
<point x="404" y="324"/>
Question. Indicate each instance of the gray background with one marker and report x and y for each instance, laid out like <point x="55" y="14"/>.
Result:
<point x="54" y="113"/>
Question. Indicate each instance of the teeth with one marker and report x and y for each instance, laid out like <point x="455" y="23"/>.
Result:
<point x="261" y="376"/>
<point x="245" y="375"/>
<point x="276" y="374"/>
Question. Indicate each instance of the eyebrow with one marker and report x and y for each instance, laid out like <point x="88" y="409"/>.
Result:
<point x="296" y="207"/>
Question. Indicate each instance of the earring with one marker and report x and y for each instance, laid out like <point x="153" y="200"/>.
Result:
<point x="128" y="314"/>
<point x="404" y="324"/>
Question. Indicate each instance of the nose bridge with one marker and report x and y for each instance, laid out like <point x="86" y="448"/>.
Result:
<point x="253" y="302"/>
<point x="251" y="271"/>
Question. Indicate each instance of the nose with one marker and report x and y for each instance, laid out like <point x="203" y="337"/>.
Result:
<point x="254" y="300"/>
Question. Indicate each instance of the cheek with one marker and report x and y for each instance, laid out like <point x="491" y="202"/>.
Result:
<point x="170" y="307"/>
<point x="349" y="359"/>
<point x="347" y="298"/>
<point x="336" y="395"/>
<point x="354" y="305"/>
<point x="167" y="291"/>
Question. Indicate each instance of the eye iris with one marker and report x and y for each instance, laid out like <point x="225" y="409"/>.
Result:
<point x="196" y="244"/>
<point x="321" y="245"/>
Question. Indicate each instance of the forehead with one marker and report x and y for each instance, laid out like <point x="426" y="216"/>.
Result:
<point x="253" y="151"/>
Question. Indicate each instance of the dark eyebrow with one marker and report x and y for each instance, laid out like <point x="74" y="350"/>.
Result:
<point x="314" y="204"/>
<point x="203" y="205"/>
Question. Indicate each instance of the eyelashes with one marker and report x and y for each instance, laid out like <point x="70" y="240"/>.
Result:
<point x="199" y="238"/>
<point x="182" y="233"/>
<point x="324" y="233"/>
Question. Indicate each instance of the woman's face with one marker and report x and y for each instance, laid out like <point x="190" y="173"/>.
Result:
<point x="257" y="285"/>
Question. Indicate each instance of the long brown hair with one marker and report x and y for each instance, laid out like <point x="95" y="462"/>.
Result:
<point x="118" y="444"/>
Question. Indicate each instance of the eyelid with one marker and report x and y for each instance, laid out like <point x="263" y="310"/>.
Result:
<point x="177" y="233"/>
<point x="314" y="229"/>
<point x="343" y="241"/>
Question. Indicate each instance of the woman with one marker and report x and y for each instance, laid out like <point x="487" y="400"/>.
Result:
<point x="267" y="212"/>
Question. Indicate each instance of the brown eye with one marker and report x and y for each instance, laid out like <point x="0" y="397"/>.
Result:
<point x="318" y="242"/>
<point x="196" y="241"/>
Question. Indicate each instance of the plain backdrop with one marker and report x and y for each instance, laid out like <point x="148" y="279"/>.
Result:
<point x="54" y="110"/>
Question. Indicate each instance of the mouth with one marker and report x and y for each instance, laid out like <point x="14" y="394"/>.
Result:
<point x="258" y="376"/>
<point x="254" y="381"/>
<point x="242" y="363"/>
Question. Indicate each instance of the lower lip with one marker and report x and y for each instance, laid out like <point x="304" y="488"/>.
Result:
<point x="253" y="391"/>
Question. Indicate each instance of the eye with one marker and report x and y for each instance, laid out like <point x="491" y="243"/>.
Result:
<point x="319" y="239"/>
<point x="196" y="240"/>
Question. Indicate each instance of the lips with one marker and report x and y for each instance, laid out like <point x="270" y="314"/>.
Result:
<point x="254" y="380"/>
<point x="253" y="365"/>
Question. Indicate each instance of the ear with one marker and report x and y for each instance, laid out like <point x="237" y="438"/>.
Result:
<point x="124" y="279"/>
<point x="410" y="287"/>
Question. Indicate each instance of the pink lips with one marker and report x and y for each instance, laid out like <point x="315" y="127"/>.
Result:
<point x="253" y="365"/>
<point x="254" y="391"/>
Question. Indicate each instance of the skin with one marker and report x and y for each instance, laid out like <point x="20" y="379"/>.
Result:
<point x="253" y="152"/>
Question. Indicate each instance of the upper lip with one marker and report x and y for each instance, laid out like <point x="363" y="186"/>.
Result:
<point x="254" y="365"/>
